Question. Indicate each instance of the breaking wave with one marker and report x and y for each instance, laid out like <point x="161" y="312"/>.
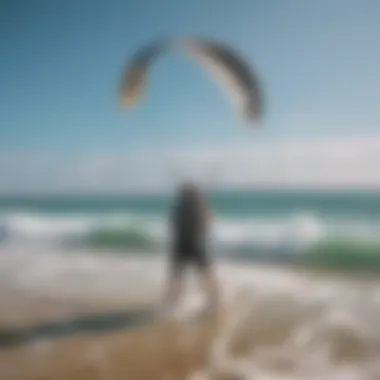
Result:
<point x="303" y="236"/>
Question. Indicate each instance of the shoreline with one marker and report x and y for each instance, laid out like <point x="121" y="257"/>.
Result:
<point x="77" y="296"/>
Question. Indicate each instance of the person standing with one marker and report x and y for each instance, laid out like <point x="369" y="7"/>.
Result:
<point x="190" y="226"/>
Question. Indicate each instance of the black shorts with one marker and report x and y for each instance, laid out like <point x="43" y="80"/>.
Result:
<point x="189" y="254"/>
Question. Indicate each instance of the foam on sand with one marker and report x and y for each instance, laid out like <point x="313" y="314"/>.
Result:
<point x="279" y="324"/>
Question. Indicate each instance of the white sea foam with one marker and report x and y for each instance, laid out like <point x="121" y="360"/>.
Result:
<point x="297" y="325"/>
<point x="294" y="233"/>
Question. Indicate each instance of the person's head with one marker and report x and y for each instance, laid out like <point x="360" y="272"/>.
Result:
<point x="190" y="192"/>
<point x="189" y="189"/>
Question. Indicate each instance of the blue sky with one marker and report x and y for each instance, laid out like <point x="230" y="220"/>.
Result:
<point x="61" y="60"/>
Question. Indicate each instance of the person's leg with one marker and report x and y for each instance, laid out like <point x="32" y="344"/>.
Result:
<point x="210" y="286"/>
<point x="175" y="282"/>
<point x="208" y="279"/>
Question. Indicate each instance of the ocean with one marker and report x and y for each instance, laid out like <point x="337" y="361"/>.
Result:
<point x="339" y="229"/>
<point x="298" y="271"/>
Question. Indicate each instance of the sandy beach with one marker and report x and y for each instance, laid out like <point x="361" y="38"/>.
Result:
<point x="138" y="350"/>
<point x="150" y="352"/>
<point x="81" y="316"/>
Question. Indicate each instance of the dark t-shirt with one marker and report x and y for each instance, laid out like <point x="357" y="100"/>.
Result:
<point x="189" y="224"/>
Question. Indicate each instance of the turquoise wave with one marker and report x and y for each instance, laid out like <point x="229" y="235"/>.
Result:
<point x="302" y="239"/>
<point x="132" y="238"/>
<point x="333" y="253"/>
<point x="347" y="254"/>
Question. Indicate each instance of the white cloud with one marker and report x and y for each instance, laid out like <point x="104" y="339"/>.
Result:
<point x="288" y="163"/>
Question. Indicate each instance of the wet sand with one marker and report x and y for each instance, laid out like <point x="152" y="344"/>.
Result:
<point x="277" y="324"/>
<point x="168" y="351"/>
<point x="148" y="351"/>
